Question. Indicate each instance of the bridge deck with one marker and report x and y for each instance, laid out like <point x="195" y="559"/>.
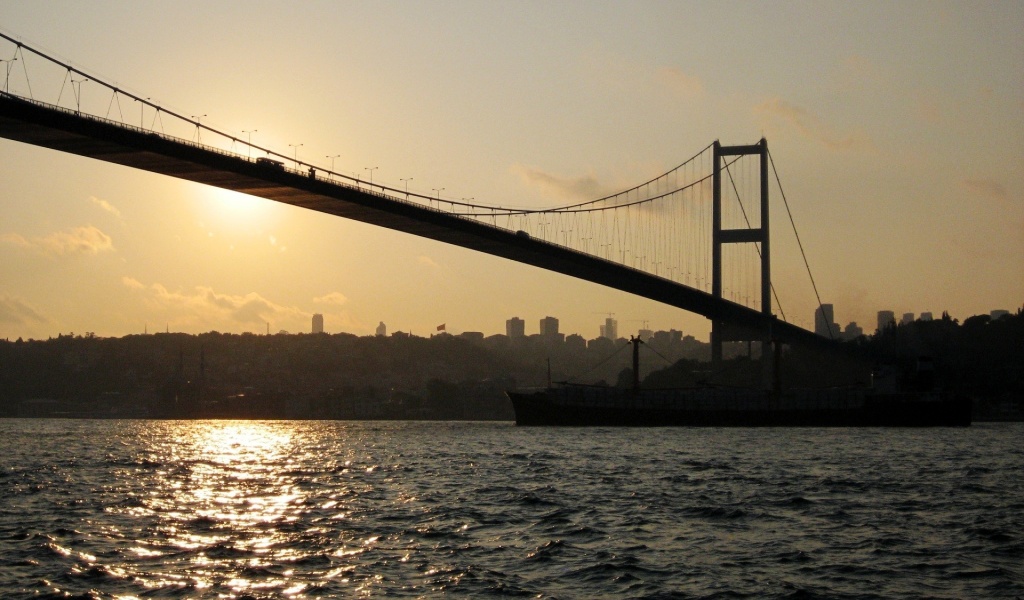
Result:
<point x="62" y="130"/>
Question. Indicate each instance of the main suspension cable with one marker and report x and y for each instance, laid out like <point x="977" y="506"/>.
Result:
<point x="798" y="242"/>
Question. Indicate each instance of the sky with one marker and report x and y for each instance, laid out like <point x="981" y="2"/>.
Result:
<point x="897" y="129"/>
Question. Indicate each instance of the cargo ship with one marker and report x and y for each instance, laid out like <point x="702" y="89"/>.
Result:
<point x="604" y="406"/>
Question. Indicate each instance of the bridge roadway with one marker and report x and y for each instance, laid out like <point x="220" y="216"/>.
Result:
<point x="60" y="129"/>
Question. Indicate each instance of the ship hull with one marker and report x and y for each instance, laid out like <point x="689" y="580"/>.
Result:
<point x="555" y="407"/>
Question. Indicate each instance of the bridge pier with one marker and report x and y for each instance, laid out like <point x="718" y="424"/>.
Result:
<point x="720" y="333"/>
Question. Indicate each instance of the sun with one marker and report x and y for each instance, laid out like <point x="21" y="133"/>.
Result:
<point x="232" y="211"/>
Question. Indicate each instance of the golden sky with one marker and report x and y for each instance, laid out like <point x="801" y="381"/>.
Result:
<point x="897" y="130"/>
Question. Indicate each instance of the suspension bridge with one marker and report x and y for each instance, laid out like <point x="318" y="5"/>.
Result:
<point x="668" y="239"/>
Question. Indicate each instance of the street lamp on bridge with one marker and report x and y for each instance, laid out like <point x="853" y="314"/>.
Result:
<point x="248" y="140"/>
<point x="142" y="112"/>
<point x="296" y="146"/>
<point x="406" y="180"/>
<point x="371" y="170"/>
<point x="332" y="161"/>
<point x="199" y="134"/>
<point x="438" y="190"/>
<point x="78" y="92"/>
<point x="10" y="64"/>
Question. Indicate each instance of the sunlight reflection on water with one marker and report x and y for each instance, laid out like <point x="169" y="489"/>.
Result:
<point x="331" y="509"/>
<point x="238" y="490"/>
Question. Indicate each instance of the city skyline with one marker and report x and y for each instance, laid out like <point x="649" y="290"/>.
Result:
<point x="549" y="326"/>
<point x="907" y="191"/>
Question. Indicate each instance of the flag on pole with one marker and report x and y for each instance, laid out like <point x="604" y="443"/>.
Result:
<point x="441" y="327"/>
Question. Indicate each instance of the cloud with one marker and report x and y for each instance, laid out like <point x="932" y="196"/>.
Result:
<point x="336" y="298"/>
<point x="14" y="239"/>
<point x="580" y="188"/>
<point x="204" y="305"/>
<point x="427" y="261"/>
<point x="679" y="82"/>
<point x="812" y="127"/>
<point x="79" y="240"/>
<point x="110" y="208"/>
<point x="131" y="283"/>
<point x="13" y="310"/>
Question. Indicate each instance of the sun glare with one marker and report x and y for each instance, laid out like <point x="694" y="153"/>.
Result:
<point x="235" y="211"/>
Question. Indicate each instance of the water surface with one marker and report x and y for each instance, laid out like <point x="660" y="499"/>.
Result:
<point x="236" y="509"/>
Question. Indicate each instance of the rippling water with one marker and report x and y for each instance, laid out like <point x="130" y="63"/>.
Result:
<point x="211" y="509"/>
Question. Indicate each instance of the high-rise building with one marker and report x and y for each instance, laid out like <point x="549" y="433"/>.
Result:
<point x="907" y="319"/>
<point x="574" y="342"/>
<point x="886" y="319"/>
<point x="515" y="327"/>
<point x="382" y="330"/>
<point x="824" y="322"/>
<point x="998" y="314"/>
<point x="927" y="316"/>
<point x="852" y="331"/>
<point x="318" y="323"/>
<point x="549" y="326"/>
<point x="610" y="329"/>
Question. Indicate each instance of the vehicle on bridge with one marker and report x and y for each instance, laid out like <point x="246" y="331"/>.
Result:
<point x="264" y="161"/>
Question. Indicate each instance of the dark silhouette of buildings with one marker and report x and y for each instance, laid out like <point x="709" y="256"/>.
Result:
<point x="342" y="376"/>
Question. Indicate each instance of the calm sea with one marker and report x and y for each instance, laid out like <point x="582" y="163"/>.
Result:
<point x="236" y="509"/>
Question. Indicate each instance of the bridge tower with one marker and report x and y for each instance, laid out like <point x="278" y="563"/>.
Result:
<point x="720" y="332"/>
